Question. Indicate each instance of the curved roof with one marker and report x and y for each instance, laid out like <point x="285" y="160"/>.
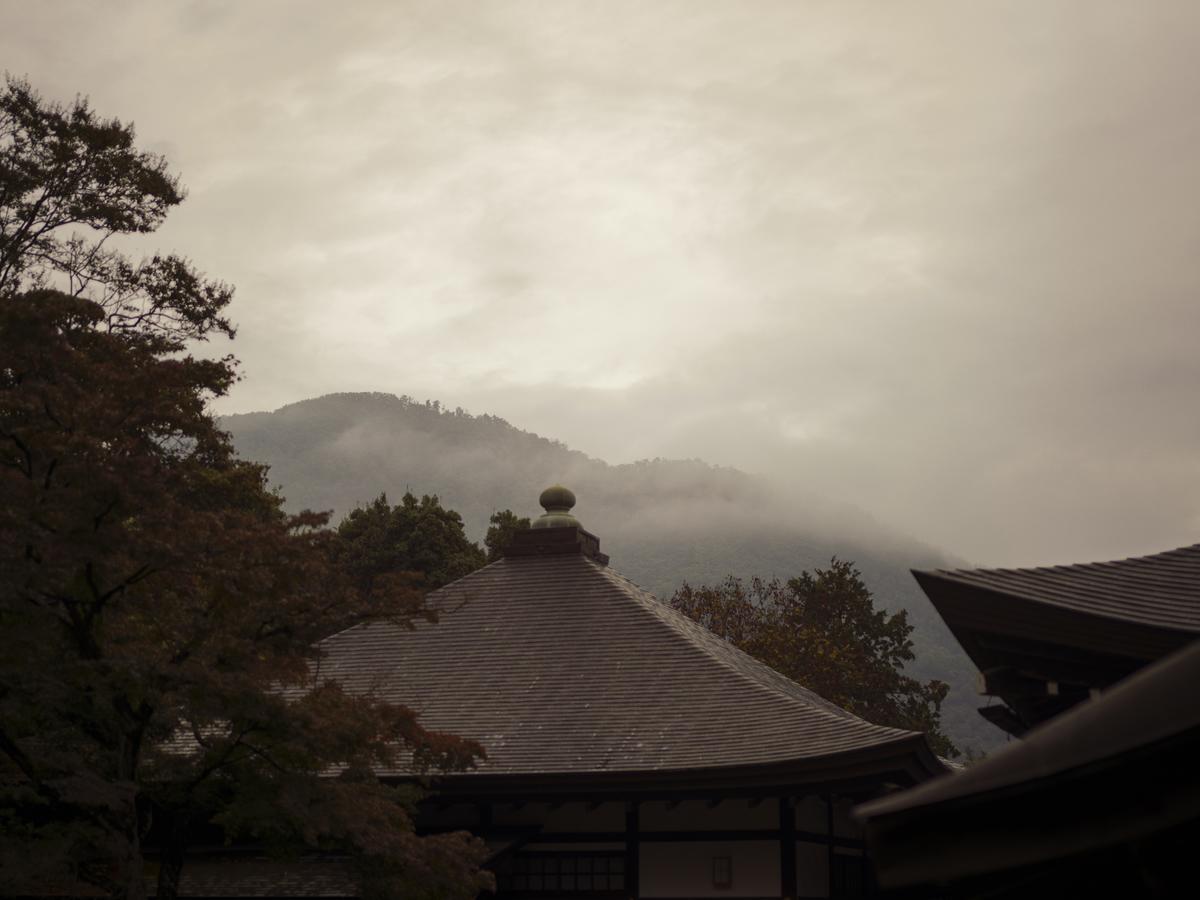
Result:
<point x="1161" y="590"/>
<point x="1110" y="770"/>
<point x="1150" y="706"/>
<point x="558" y="665"/>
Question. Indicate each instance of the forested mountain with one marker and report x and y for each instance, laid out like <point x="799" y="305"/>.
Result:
<point x="661" y="521"/>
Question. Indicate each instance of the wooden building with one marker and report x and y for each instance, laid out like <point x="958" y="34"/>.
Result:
<point x="1099" y="666"/>
<point x="1046" y="638"/>
<point x="630" y="753"/>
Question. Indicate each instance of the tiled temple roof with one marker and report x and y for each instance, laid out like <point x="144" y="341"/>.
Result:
<point x="1161" y="590"/>
<point x="557" y="664"/>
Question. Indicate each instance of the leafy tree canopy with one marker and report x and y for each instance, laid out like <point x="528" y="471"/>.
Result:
<point x="418" y="538"/>
<point x="822" y="630"/>
<point x="70" y="181"/>
<point x="158" y="610"/>
<point x="503" y="526"/>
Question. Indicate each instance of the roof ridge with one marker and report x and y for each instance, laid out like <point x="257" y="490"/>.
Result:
<point x="696" y="635"/>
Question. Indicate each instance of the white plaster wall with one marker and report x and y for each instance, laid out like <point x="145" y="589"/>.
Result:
<point x="844" y="823"/>
<point x="812" y="815"/>
<point x="684" y="869"/>
<point x="812" y="870"/>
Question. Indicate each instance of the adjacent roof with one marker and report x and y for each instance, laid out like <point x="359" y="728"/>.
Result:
<point x="1089" y="624"/>
<point x="557" y="664"/>
<point x="240" y="877"/>
<point x="1161" y="590"/>
<point x="1110" y="771"/>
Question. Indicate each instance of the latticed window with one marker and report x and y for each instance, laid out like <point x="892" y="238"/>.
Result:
<point x="578" y="872"/>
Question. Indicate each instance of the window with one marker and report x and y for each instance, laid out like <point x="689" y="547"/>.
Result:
<point x="579" y="872"/>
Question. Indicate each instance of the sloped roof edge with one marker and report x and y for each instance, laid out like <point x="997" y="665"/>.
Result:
<point x="655" y="692"/>
<point x="1160" y="590"/>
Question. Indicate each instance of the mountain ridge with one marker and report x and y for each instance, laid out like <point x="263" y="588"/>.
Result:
<point x="661" y="521"/>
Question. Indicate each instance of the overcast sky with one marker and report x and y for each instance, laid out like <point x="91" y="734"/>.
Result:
<point x="939" y="260"/>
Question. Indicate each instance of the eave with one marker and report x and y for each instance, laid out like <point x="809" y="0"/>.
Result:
<point x="901" y="763"/>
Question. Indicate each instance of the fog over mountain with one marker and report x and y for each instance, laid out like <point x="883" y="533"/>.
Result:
<point x="661" y="521"/>
<point x="937" y="259"/>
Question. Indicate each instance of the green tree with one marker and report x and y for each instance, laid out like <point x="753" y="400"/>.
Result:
<point x="502" y="528"/>
<point x="159" y="612"/>
<point x="418" y="542"/>
<point x="822" y="630"/>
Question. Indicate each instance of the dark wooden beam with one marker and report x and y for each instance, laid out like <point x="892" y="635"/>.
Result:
<point x="1054" y="661"/>
<point x="1004" y="718"/>
<point x="1004" y="681"/>
<point x="502" y="832"/>
<point x="829" y="828"/>
<point x="787" y="849"/>
<point x="632" y="851"/>
<point x="651" y="787"/>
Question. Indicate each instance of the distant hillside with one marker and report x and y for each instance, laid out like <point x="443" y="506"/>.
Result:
<point x="662" y="521"/>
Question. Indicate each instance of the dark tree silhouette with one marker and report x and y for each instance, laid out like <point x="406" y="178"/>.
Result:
<point x="822" y="630"/>
<point x="159" y="611"/>
<point x="70" y="181"/>
<point x="503" y="526"/>
<point x="417" y="539"/>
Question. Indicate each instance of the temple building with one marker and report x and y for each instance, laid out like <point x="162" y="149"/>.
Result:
<point x="1098" y="666"/>
<point x="630" y="753"/>
<point x="1044" y="639"/>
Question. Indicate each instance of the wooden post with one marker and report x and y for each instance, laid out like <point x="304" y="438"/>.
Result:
<point x="829" y="822"/>
<point x="787" y="849"/>
<point x="485" y="819"/>
<point x="632" y="849"/>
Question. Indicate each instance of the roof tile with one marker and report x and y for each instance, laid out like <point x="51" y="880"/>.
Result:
<point x="1161" y="590"/>
<point x="557" y="664"/>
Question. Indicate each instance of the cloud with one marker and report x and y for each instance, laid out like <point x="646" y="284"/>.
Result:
<point x="934" y="260"/>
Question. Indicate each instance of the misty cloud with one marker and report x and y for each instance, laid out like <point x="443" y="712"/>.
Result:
<point x="937" y="261"/>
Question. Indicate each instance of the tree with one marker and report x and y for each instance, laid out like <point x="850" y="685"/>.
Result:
<point x="504" y="526"/>
<point x="822" y="631"/>
<point x="70" y="181"/>
<point x="417" y="541"/>
<point x="159" y="612"/>
<point x="153" y="592"/>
